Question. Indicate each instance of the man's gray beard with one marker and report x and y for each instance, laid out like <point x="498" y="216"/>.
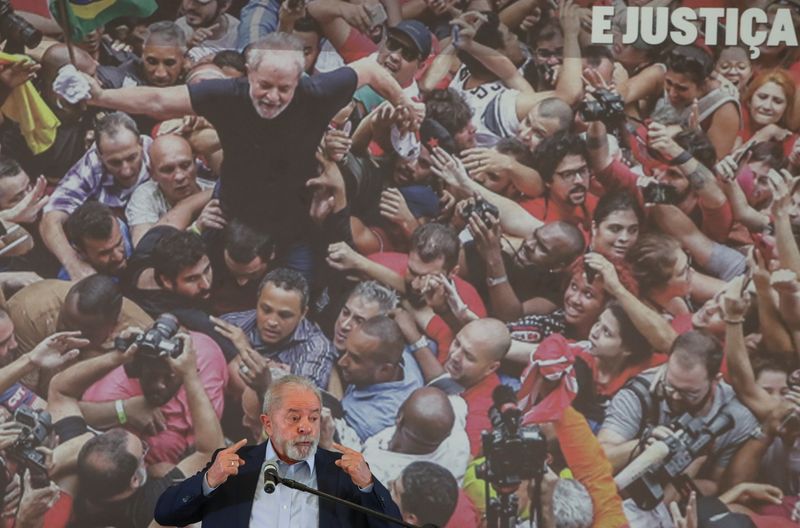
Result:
<point x="300" y="453"/>
<point x="258" y="110"/>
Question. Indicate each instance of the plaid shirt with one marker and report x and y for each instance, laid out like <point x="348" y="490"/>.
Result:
<point x="88" y="180"/>
<point x="307" y="351"/>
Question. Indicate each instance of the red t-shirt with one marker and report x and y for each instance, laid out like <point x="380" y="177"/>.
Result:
<point x="479" y="400"/>
<point x="437" y="329"/>
<point x="747" y="132"/>
<point x="544" y="209"/>
<point x="615" y="384"/>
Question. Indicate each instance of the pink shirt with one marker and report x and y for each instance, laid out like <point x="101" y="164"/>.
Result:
<point x="170" y="444"/>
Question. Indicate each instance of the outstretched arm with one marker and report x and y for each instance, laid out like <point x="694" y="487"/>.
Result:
<point x="160" y="103"/>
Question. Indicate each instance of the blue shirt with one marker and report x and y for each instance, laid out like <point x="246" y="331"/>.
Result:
<point x="307" y="351"/>
<point x="369" y="410"/>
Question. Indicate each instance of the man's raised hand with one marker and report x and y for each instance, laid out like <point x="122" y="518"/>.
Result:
<point x="226" y="463"/>
<point x="55" y="351"/>
<point x="353" y="463"/>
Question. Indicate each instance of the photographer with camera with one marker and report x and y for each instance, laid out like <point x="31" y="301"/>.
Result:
<point x="116" y="486"/>
<point x="147" y="395"/>
<point x="26" y="458"/>
<point x="687" y="387"/>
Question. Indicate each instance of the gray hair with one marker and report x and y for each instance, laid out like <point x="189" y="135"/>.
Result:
<point x="374" y="291"/>
<point x="112" y="124"/>
<point x="273" y="396"/>
<point x="165" y="33"/>
<point x="572" y="505"/>
<point x="278" y="44"/>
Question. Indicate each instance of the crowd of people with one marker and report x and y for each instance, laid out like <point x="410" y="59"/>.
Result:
<point x="412" y="204"/>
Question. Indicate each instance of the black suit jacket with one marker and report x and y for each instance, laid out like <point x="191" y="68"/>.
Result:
<point x="231" y="503"/>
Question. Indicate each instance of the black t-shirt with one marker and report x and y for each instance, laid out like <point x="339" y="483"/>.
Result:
<point x="268" y="161"/>
<point x="191" y="313"/>
<point x="133" y="512"/>
<point x="53" y="163"/>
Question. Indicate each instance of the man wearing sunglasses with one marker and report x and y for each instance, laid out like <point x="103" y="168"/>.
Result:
<point x="690" y="382"/>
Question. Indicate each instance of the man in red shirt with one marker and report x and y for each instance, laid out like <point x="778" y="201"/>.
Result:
<point x="561" y="160"/>
<point x="470" y="370"/>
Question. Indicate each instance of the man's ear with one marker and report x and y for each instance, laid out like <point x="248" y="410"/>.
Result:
<point x="410" y="518"/>
<point x="267" y="423"/>
<point x="493" y="367"/>
<point x="165" y="282"/>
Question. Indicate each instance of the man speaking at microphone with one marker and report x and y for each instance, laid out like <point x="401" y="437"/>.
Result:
<point x="229" y="492"/>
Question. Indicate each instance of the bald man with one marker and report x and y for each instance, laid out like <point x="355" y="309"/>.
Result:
<point x="380" y="376"/>
<point x="470" y="370"/>
<point x="174" y="181"/>
<point x="429" y="426"/>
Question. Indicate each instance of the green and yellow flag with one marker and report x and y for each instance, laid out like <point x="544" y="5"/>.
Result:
<point x="87" y="15"/>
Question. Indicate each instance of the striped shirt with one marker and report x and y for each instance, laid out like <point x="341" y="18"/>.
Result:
<point x="307" y="351"/>
<point x="88" y="180"/>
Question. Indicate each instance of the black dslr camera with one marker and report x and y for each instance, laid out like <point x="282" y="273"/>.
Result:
<point x="158" y="341"/>
<point x="483" y="209"/>
<point x="36" y="428"/>
<point x="513" y="454"/>
<point x="607" y="106"/>
<point x="691" y="439"/>
<point x="16" y="29"/>
<point x="660" y="193"/>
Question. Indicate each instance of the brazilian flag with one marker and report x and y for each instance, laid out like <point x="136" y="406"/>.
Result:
<point x="87" y="15"/>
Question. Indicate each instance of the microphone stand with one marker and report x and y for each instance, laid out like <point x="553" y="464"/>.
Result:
<point x="302" y="487"/>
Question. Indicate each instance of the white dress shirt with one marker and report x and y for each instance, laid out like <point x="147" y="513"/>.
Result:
<point x="286" y="507"/>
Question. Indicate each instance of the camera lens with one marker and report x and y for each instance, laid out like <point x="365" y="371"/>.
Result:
<point x="167" y="325"/>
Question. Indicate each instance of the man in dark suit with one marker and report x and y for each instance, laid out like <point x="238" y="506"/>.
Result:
<point x="229" y="491"/>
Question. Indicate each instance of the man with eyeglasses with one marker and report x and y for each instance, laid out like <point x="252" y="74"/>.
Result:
<point x="690" y="382"/>
<point x="562" y="163"/>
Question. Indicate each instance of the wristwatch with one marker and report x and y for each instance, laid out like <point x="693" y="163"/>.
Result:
<point x="494" y="281"/>
<point x="420" y="343"/>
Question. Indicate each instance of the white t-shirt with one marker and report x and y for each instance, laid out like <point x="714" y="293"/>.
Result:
<point x="148" y="204"/>
<point x="494" y="108"/>
<point x="452" y="453"/>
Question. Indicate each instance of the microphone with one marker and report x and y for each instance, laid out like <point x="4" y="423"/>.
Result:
<point x="271" y="477"/>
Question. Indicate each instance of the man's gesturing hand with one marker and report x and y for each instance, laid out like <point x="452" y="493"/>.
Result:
<point x="226" y="464"/>
<point x="353" y="463"/>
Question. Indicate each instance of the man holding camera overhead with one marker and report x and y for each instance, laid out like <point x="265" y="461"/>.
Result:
<point x="690" y="382"/>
